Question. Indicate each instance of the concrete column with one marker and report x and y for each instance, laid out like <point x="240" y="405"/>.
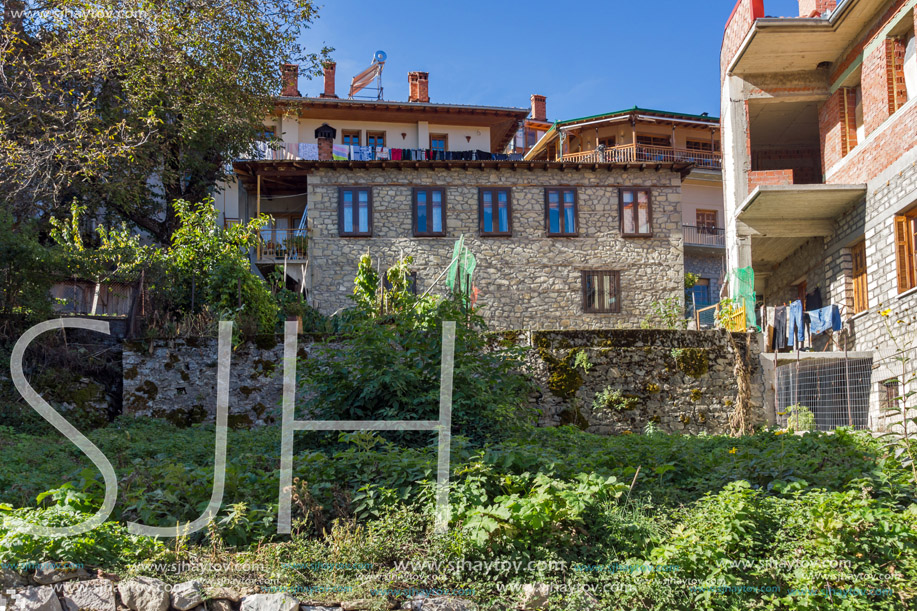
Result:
<point x="423" y="134"/>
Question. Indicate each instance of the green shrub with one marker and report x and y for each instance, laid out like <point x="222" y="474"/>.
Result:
<point x="612" y="399"/>
<point x="800" y="418"/>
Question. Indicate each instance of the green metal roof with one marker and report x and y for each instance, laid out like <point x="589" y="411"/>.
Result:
<point x="627" y="111"/>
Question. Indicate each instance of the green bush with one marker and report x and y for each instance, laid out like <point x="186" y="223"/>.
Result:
<point x="800" y="418"/>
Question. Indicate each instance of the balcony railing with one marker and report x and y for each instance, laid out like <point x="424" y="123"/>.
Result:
<point x="278" y="245"/>
<point x="639" y="153"/>
<point x="704" y="235"/>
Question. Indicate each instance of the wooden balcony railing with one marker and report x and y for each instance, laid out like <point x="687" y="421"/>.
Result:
<point x="704" y="235"/>
<point x="639" y="153"/>
<point x="278" y="245"/>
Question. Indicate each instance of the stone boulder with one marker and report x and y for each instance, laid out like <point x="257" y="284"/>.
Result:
<point x="144" y="594"/>
<point x="50" y="573"/>
<point x="440" y="603"/>
<point x="270" y="602"/>
<point x="187" y="595"/>
<point x="11" y="579"/>
<point x="36" y="599"/>
<point x="94" y="595"/>
<point x="535" y="595"/>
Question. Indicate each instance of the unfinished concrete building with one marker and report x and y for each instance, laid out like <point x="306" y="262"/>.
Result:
<point x="819" y="118"/>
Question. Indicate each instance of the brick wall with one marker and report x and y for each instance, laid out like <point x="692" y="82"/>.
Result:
<point x="876" y="87"/>
<point x="816" y="7"/>
<point x="527" y="281"/>
<point x="769" y="177"/>
<point x="896" y="139"/>
<point x="740" y="22"/>
<point x="804" y="162"/>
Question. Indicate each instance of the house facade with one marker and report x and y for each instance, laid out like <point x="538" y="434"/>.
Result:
<point x="819" y="119"/>
<point x="645" y="136"/>
<point x="558" y="244"/>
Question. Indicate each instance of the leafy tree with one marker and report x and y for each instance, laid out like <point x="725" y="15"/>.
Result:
<point x="130" y="105"/>
<point x="24" y="279"/>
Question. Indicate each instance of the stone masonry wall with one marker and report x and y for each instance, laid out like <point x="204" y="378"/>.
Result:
<point x="528" y="280"/>
<point x="682" y="381"/>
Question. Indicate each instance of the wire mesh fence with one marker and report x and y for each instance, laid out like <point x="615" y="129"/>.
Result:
<point x="824" y="393"/>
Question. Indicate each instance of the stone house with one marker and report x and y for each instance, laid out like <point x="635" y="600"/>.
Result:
<point x="819" y="116"/>
<point x="559" y="244"/>
<point x="643" y="135"/>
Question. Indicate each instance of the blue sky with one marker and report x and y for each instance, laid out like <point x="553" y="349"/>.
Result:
<point x="586" y="56"/>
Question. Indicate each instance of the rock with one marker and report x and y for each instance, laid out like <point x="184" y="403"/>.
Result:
<point x="317" y="608"/>
<point x="222" y="593"/>
<point x="440" y="604"/>
<point x="269" y="602"/>
<point x="96" y="595"/>
<point x="52" y="572"/>
<point x="187" y="595"/>
<point x="219" y="604"/>
<point x="11" y="579"/>
<point x="535" y="595"/>
<point x="144" y="594"/>
<point x="37" y="599"/>
<point x="361" y="604"/>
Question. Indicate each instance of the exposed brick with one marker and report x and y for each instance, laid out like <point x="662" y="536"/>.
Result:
<point x="814" y="8"/>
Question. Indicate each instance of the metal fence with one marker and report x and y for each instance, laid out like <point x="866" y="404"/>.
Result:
<point x="824" y="393"/>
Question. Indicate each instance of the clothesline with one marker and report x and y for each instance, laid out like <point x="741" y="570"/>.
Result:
<point x="343" y="152"/>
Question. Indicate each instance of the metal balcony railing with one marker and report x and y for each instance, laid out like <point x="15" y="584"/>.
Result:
<point x="704" y="235"/>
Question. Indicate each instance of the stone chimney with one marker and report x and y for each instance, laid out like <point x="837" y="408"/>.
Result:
<point x="816" y="8"/>
<point x="324" y="135"/>
<point x="539" y="107"/>
<point x="329" y="81"/>
<point x="290" y="80"/>
<point x="419" y="87"/>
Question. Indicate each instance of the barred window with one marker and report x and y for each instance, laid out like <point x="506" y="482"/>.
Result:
<point x="601" y="291"/>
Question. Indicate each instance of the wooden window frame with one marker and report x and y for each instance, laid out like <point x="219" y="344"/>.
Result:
<point x="905" y="250"/>
<point x="615" y="276"/>
<point x="351" y="133"/>
<point x="547" y="213"/>
<point x="716" y="219"/>
<point x="376" y="134"/>
<point x="649" y="213"/>
<point x="603" y="141"/>
<point x="445" y="139"/>
<point x="495" y="222"/>
<point x="668" y="140"/>
<point x="428" y="234"/>
<point x="355" y="234"/>
<point x="860" y="277"/>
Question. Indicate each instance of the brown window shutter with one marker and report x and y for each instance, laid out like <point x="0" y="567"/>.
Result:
<point x="904" y="254"/>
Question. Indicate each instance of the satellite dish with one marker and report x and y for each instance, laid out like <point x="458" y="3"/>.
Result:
<point x="380" y="56"/>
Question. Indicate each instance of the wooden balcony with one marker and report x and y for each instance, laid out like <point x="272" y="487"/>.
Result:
<point x="279" y="245"/>
<point x="639" y="153"/>
<point x="714" y="237"/>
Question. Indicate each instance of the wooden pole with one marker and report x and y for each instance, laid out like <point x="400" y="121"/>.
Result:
<point x="258" y="208"/>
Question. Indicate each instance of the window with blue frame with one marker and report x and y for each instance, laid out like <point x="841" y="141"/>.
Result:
<point x="561" y="214"/>
<point x="495" y="212"/>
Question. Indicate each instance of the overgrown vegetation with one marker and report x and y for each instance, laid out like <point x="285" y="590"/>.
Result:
<point x="722" y="511"/>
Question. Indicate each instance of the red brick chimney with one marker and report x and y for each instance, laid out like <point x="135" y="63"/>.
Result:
<point x="419" y="87"/>
<point x="324" y="136"/>
<point x="816" y="8"/>
<point x="329" y="81"/>
<point x="539" y="107"/>
<point x="289" y="80"/>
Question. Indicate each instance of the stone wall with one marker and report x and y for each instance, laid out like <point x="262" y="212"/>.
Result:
<point x="682" y="381"/>
<point x="709" y="265"/>
<point x="527" y="281"/>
